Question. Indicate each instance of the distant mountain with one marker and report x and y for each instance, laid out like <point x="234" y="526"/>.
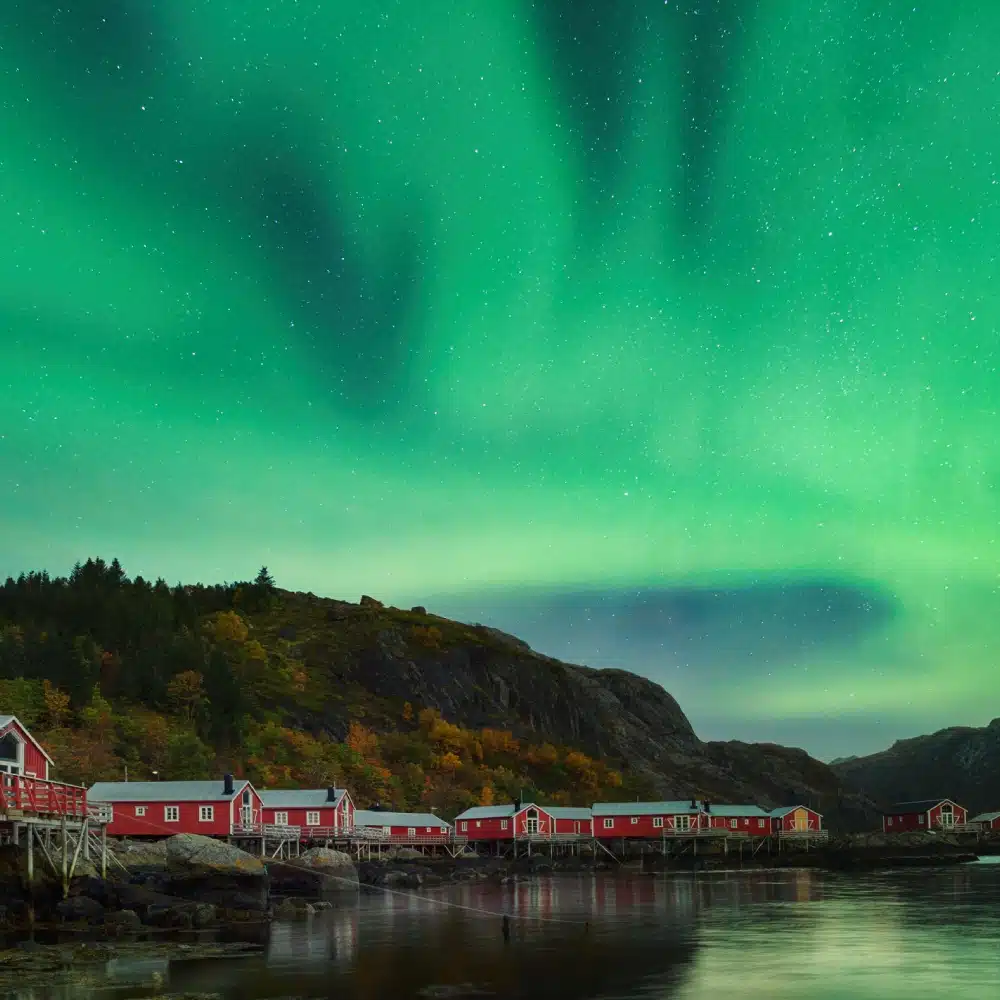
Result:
<point x="403" y="706"/>
<point x="842" y="760"/>
<point x="961" y="763"/>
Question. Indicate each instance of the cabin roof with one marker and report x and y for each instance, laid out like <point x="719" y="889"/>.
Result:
<point x="6" y="720"/>
<point x="646" y="808"/>
<point x="164" y="791"/>
<point x="917" y="806"/>
<point x="377" y="818"/>
<point x="785" y="810"/>
<point x="488" y="812"/>
<point x="986" y="817"/>
<point x="302" y="798"/>
<point x="727" y="811"/>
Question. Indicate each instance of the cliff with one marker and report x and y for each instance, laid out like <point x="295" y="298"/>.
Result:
<point x="961" y="763"/>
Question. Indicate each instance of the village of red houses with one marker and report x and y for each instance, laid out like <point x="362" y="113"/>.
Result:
<point x="233" y="808"/>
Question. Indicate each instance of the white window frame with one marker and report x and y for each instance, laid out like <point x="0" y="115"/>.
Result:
<point x="479" y="823"/>
<point x="411" y="831"/>
<point x="888" y="821"/>
<point x="281" y="819"/>
<point x="312" y="817"/>
<point x="503" y="824"/>
<point x="206" y="814"/>
<point x="428" y="829"/>
<point x="140" y="810"/>
<point x="921" y="819"/>
<point x="635" y="820"/>
<point x="734" y="824"/>
<point x="657" y="822"/>
<point x="609" y="822"/>
<point x="682" y="823"/>
<point x="171" y="814"/>
<point x="465" y="824"/>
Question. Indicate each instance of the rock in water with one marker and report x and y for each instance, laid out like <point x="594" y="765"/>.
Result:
<point x="318" y="873"/>
<point x="191" y="851"/>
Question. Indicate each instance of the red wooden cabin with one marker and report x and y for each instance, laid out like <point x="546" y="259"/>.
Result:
<point x="222" y="808"/>
<point x="329" y="810"/>
<point x="494" y="823"/>
<point x="986" y="821"/>
<point x="746" y="819"/>
<point x="20" y="752"/>
<point x="402" y="827"/>
<point x="570" y="821"/>
<point x="924" y="814"/>
<point x="795" y="819"/>
<point x="648" y="820"/>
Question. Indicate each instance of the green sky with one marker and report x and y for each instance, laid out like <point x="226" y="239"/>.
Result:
<point x="452" y="303"/>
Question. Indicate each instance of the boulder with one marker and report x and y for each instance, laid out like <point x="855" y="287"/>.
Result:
<point x="191" y="851"/>
<point x="317" y="873"/>
<point x="122" y="922"/>
<point x="80" y="908"/>
<point x="136" y="854"/>
<point x="182" y="914"/>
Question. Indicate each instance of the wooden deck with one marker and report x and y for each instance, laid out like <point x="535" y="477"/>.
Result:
<point x="24" y="799"/>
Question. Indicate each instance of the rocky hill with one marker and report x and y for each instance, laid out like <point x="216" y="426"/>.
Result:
<point x="404" y="706"/>
<point x="961" y="763"/>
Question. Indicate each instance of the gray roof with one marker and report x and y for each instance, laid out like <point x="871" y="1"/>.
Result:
<point x="163" y="791"/>
<point x="785" y="810"/>
<point x="487" y="812"/>
<point x="300" y="798"/>
<point x="646" y="808"/>
<point x="986" y="817"/>
<point x="735" y="811"/>
<point x="376" y="818"/>
<point x="567" y="812"/>
<point x="919" y="806"/>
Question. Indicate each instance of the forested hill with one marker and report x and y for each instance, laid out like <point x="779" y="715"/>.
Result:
<point x="401" y="706"/>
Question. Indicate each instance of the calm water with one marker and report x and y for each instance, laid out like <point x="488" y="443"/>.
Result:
<point x="774" y="935"/>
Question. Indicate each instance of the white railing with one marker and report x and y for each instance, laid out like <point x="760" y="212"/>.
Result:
<point x="101" y="812"/>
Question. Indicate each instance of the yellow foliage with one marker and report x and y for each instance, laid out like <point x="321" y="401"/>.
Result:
<point x="449" y="763"/>
<point x="498" y="741"/>
<point x="228" y="626"/>
<point x="428" y="636"/>
<point x="487" y="796"/>
<point x="56" y="704"/>
<point x="363" y="742"/>
<point x="255" y="651"/>
<point x="407" y="712"/>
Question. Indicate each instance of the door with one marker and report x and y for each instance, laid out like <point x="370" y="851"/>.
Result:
<point x="683" y="823"/>
<point x="801" y="820"/>
<point x="531" y="822"/>
<point x="947" y="817"/>
<point x="246" y="810"/>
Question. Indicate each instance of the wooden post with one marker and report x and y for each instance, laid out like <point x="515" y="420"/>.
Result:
<point x="31" y="853"/>
<point x="65" y="856"/>
<point x="104" y="850"/>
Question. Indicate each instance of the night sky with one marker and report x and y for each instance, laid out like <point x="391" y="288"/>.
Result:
<point x="661" y="334"/>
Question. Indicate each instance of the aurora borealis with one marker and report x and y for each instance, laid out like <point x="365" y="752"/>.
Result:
<point x="664" y="335"/>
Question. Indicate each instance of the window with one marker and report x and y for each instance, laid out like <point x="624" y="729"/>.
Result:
<point x="206" y="814"/>
<point x="657" y="822"/>
<point x="428" y="829"/>
<point x="411" y="831"/>
<point x="889" y="821"/>
<point x="635" y="820"/>
<point x="171" y="814"/>
<point x="312" y="818"/>
<point x="682" y="822"/>
<point x="503" y="824"/>
<point x="760" y="823"/>
<point x="921" y="819"/>
<point x="281" y="819"/>
<point x="465" y="824"/>
<point x="733" y="824"/>
<point x="479" y="823"/>
<point x="140" y="810"/>
<point x="609" y="823"/>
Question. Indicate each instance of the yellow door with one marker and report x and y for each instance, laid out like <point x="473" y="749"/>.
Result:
<point x="801" y="820"/>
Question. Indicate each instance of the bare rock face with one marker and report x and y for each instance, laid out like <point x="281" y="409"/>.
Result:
<point x="319" y="873"/>
<point x="961" y="763"/>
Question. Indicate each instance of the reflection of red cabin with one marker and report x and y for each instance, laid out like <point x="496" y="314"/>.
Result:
<point x="795" y="819"/>
<point x="986" y="821"/>
<point x="326" y="809"/>
<point x="925" y="814"/>
<point x="20" y="752"/>
<point x="506" y="822"/>
<point x="162" y="808"/>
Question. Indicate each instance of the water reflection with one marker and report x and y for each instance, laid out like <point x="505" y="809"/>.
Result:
<point x="779" y="935"/>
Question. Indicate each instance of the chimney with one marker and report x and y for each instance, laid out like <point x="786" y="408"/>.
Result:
<point x="708" y="806"/>
<point x="227" y="785"/>
<point x="331" y="794"/>
<point x="694" y="803"/>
